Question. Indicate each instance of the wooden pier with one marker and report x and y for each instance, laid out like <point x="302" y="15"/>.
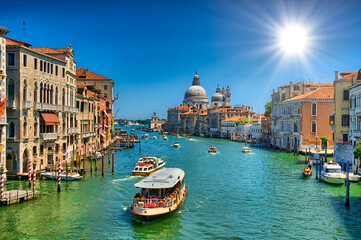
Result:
<point x="16" y="196"/>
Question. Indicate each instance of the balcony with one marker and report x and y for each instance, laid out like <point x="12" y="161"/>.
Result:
<point x="285" y="133"/>
<point x="357" y="110"/>
<point x="47" y="107"/>
<point x="72" y="130"/>
<point x="48" y="136"/>
<point x="88" y="134"/>
<point x="27" y="104"/>
<point x="10" y="104"/>
<point x="66" y="109"/>
<point x="356" y="133"/>
<point x="73" y="110"/>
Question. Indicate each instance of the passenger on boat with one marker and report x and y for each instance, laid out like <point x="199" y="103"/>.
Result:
<point x="309" y="165"/>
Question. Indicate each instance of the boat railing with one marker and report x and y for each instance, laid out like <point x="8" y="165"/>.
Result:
<point x="154" y="202"/>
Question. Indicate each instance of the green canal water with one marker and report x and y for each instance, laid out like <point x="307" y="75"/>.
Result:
<point x="231" y="195"/>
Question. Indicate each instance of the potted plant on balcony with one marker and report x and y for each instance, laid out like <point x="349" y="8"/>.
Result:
<point x="324" y="141"/>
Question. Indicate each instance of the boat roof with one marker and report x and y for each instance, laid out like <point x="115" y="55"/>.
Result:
<point x="145" y="158"/>
<point x="332" y="165"/>
<point x="164" y="178"/>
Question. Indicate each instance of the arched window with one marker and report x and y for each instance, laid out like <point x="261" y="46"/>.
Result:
<point x="11" y="130"/>
<point x="11" y="89"/>
<point x="56" y="95"/>
<point x="295" y="126"/>
<point x="41" y="93"/>
<point x="314" y="109"/>
<point x="25" y="92"/>
<point x="63" y="100"/>
<point x="52" y="94"/>
<point x="314" y="126"/>
<point x="25" y="128"/>
<point x="36" y="127"/>
<point x="35" y="92"/>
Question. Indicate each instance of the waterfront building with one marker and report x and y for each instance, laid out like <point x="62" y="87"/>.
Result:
<point x="174" y="118"/>
<point x="195" y="95"/>
<point x="156" y="124"/>
<point x="3" y="96"/>
<point x="228" y="127"/>
<point x="193" y="121"/>
<point x="41" y="105"/>
<point x="283" y="93"/>
<point x="266" y="130"/>
<point x="355" y="120"/>
<point x="221" y="98"/>
<point x="105" y="84"/>
<point x="303" y="120"/>
<point x="340" y="120"/>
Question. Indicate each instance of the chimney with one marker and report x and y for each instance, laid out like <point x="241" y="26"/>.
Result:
<point x="336" y="75"/>
<point x="353" y="80"/>
<point x="273" y="91"/>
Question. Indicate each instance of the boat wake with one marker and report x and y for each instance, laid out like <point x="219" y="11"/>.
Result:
<point x="126" y="179"/>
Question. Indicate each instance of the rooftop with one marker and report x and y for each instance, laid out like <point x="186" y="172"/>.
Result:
<point x="164" y="178"/>
<point x="85" y="74"/>
<point x="320" y="93"/>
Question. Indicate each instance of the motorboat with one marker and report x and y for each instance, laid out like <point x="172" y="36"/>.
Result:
<point x="246" y="149"/>
<point x="332" y="173"/>
<point x="176" y="145"/>
<point x="354" y="177"/>
<point x="98" y="155"/>
<point x="54" y="175"/>
<point x="145" y="136"/>
<point x="161" y="193"/>
<point x="147" y="166"/>
<point x="189" y="137"/>
<point x="177" y="135"/>
<point x="165" y="137"/>
<point x="154" y="137"/>
<point x="212" y="149"/>
<point x="307" y="172"/>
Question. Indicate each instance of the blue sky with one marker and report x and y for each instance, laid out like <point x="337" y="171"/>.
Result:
<point x="151" y="49"/>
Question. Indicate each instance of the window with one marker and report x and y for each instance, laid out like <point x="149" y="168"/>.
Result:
<point x="35" y="64"/>
<point x="314" y="109"/>
<point x="36" y="128"/>
<point x="345" y="137"/>
<point x="314" y="127"/>
<point x="51" y="68"/>
<point x="56" y="70"/>
<point x="105" y="87"/>
<point x="11" y="59"/>
<point x="44" y="66"/>
<point x="105" y="95"/>
<point x="345" y="94"/>
<point x="25" y="60"/>
<point x="283" y="96"/>
<point x="11" y="130"/>
<point x="25" y="128"/>
<point x="41" y="65"/>
<point x="11" y="90"/>
<point x="296" y="88"/>
<point x="63" y="72"/>
<point x="345" y="120"/>
<point x="48" y="68"/>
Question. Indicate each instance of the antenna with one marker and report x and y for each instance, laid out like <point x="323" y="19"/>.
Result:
<point x="24" y="30"/>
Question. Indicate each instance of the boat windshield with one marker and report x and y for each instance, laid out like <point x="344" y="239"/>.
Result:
<point x="333" y="170"/>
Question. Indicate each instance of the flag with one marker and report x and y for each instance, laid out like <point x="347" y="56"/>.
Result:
<point x="2" y="107"/>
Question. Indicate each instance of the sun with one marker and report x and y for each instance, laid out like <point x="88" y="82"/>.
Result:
<point x="293" y="39"/>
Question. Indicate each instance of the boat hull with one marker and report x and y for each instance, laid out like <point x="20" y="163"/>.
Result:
<point x="144" y="173"/>
<point x="149" y="212"/>
<point x="333" y="180"/>
<point x="62" y="176"/>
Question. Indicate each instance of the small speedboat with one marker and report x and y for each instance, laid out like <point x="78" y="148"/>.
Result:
<point x="189" y="137"/>
<point x="246" y="149"/>
<point x="331" y="173"/>
<point x="145" y="136"/>
<point x="212" y="149"/>
<point x="54" y="175"/>
<point x="176" y="145"/>
<point x="154" y="137"/>
<point x="354" y="177"/>
<point x="98" y="155"/>
<point x="147" y="166"/>
<point x="165" y="137"/>
<point x="307" y="172"/>
<point x="177" y="135"/>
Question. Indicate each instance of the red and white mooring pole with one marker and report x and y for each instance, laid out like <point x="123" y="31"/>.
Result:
<point x="59" y="177"/>
<point x="2" y="170"/>
<point x="34" y="177"/>
<point x="30" y="170"/>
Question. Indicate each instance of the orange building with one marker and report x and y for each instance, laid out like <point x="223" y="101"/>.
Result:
<point x="305" y="118"/>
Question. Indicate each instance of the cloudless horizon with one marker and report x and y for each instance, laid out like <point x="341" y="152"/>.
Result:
<point x="151" y="49"/>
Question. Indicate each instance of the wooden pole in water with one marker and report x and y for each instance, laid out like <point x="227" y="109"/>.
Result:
<point x="30" y="170"/>
<point x="140" y="145"/>
<point x="306" y="156"/>
<point x="103" y="162"/>
<point x="59" y="177"/>
<point x="348" y="185"/>
<point x="326" y="153"/>
<point x="317" y="160"/>
<point x="109" y="153"/>
<point x="319" y="169"/>
<point x="113" y="162"/>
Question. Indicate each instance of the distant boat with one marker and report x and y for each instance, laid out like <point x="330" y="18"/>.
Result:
<point x="212" y="149"/>
<point x="307" y="172"/>
<point x="98" y="155"/>
<point x="246" y="149"/>
<point x="189" y="137"/>
<point x="145" y="136"/>
<point x="354" y="177"/>
<point x="165" y="137"/>
<point x="54" y="175"/>
<point x="154" y="137"/>
<point x="147" y="166"/>
<point x="176" y="145"/>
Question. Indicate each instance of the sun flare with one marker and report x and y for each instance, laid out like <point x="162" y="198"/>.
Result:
<point x="293" y="39"/>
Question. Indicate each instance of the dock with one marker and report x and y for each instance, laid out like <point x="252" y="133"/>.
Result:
<point x="16" y="196"/>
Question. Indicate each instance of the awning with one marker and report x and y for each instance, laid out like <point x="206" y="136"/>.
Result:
<point x="50" y="118"/>
<point x="106" y="114"/>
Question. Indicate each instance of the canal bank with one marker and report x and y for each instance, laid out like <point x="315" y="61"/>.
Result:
<point x="230" y="194"/>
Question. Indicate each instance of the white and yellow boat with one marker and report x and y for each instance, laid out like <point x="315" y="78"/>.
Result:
<point x="212" y="149"/>
<point x="176" y="145"/>
<point x="246" y="150"/>
<point x="147" y="166"/>
<point x="161" y="193"/>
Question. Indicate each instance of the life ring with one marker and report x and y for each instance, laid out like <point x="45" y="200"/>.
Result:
<point x="161" y="204"/>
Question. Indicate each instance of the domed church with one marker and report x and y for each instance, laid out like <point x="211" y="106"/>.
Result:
<point x="221" y="98"/>
<point x="195" y="95"/>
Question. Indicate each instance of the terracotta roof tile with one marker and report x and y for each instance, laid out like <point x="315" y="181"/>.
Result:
<point x="85" y="74"/>
<point x="12" y="42"/>
<point x="51" y="51"/>
<point x="320" y="93"/>
<point x="347" y="77"/>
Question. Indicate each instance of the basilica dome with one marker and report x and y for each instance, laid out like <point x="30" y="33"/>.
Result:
<point x="195" y="91"/>
<point x="195" y="95"/>
<point x="218" y="97"/>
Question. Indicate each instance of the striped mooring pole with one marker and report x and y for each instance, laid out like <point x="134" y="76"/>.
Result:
<point x="109" y="153"/>
<point x="113" y="162"/>
<point x="30" y="170"/>
<point x="2" y="170"/>
<point x="59" y="177"/>
<point x="34" y="177"/>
